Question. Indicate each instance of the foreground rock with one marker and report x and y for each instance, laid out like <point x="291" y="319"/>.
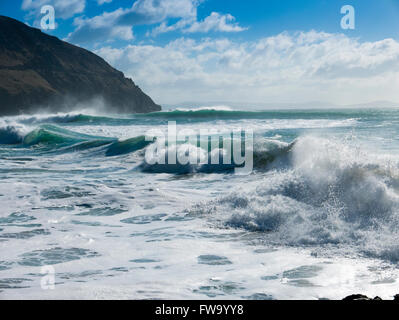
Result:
<point x="361" y="297"/>
<point x="38" y="71"/>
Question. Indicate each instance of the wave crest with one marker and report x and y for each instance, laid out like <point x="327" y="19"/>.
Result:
<point x="11" y="134"/>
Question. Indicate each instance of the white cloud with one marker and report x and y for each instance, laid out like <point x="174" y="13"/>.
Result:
<point x="158" y="10"/>
<point x="101" y="2"/>
<point x="64" y="9"/>
<point x="216" y="22"/>
<point x="164" y="27"/>
<point x="150" y="12"/>
<point x="101" y="28"/>
<point x="300" y="67"/>
<point x="142" y="12"/>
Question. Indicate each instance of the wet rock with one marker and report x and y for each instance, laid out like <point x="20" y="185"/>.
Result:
<point x="356" y="297"/>
<point x="361" y="297"/>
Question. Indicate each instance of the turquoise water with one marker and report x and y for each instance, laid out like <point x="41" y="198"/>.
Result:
<point x="317" y="218"/>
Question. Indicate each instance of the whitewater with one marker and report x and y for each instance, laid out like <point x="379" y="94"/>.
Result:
<point x="318" y="217"/>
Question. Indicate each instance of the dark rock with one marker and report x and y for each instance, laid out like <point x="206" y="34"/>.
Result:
<point x="361" y="297"/>
<point x="396" y="297"/>
<point x="356" y="297"/>
<point x="38" y="71"/>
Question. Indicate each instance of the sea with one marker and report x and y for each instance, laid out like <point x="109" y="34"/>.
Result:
<point x="83" y="215"/>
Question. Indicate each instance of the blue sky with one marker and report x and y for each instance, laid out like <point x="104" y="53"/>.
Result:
<point x="375" y="19"/>
<point x="247" y="51"/>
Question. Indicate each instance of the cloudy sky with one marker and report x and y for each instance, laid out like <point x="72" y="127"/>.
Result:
<point x="246" y="52"/>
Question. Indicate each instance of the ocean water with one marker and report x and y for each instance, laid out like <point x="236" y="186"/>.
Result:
<point x="318" y="218"/>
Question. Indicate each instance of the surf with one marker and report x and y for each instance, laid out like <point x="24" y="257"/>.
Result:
<point x="325" y="194"/>
<point x="61" y="140"/>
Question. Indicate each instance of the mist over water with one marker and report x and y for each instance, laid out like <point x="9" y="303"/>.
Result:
<point x="317" y="218"/>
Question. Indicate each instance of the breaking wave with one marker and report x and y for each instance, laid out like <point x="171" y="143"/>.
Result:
<point x="11" y="134"/>
<point x="324" y="193"/>
<point x="185" y="115"/>
<point x="56" y="139"/>
<point x="213" y="160"/>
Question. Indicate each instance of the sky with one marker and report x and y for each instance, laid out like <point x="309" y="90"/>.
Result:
<point x="243" y="52"/>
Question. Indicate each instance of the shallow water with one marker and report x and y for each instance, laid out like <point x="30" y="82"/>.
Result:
<point x="317" y="218"/>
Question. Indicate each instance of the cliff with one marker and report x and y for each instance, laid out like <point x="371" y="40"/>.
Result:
<point x="38" y="71"/>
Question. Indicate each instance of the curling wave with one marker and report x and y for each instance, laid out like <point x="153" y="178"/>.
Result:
<point x="56" y="139"/>
<point x="265" y="152"/>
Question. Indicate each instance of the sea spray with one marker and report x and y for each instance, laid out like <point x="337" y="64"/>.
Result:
<point x="325" y="193"/>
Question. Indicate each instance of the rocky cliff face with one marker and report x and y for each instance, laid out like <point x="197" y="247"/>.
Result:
<point x="41" y="71"/>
